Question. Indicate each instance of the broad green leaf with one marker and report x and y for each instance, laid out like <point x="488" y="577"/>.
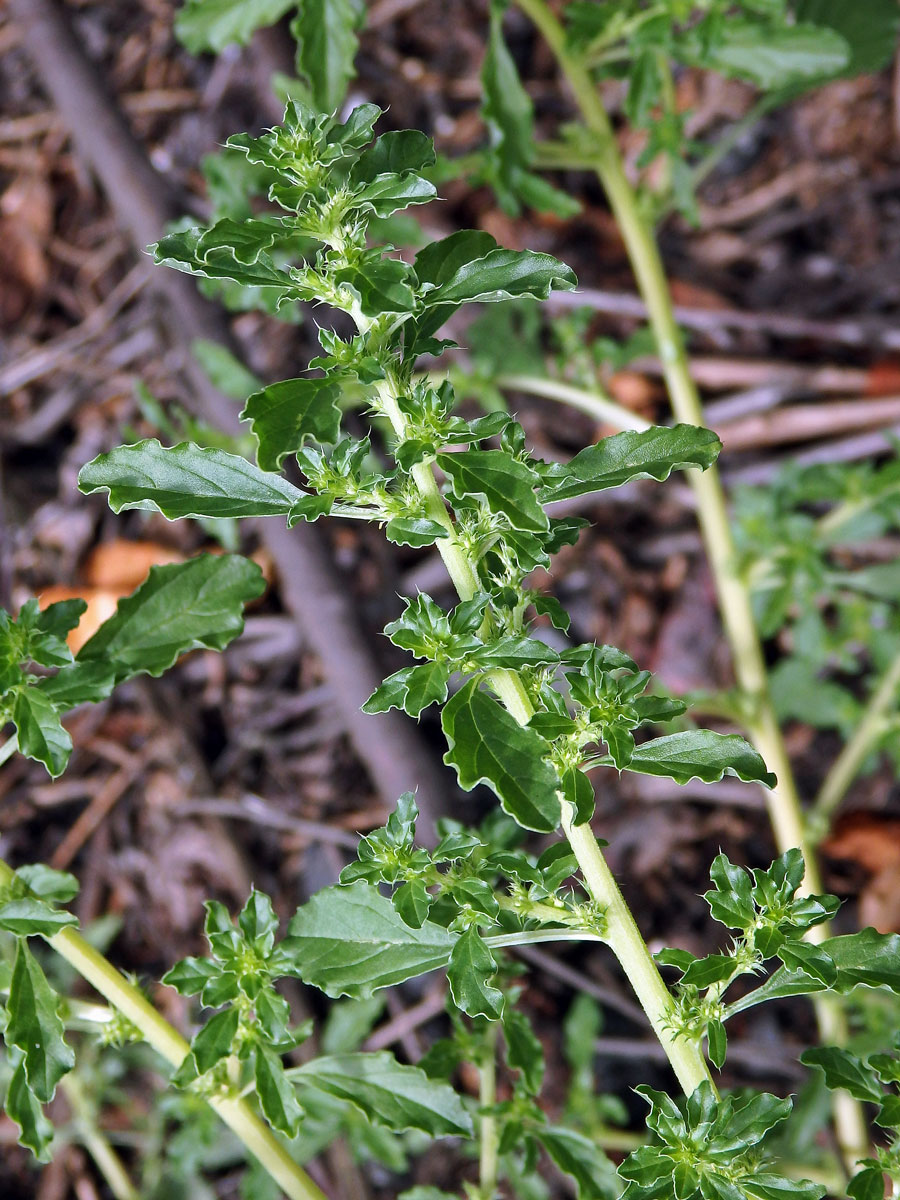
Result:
<point x="186" y="481"/>
<point x="34" y="1026"/>
<point x="700" y="754"/>
<point x="731" y="904"/>
<point x="389" y="193"/>
<point x="196" y="252"/>
<point x="765" y="1186"/>
<point x="844" y="1070"/>
<point x="277" y="1097"/>
<point x="866" y="958"/>
<point x="412" y="689"/>
<point x="580" y="1157"/>
<point x="396" y="152"/>
<point x="869" y="28"/>
<point x="325" y="31"/>
<point x="802" y="956"/>
<point x="214" y="24"/>
<point x="487" y="745"/>
<point x="283" y="415"/>
<point x="29" y="917"/>
<point x="350" y="941"/>
<point x="868" y="1184"/>
<point x="770" y="56"/>
<point x="179" y="607"/>
<point x="40" y="733"/>
<point x="413" y="902"/>
<point x="438" y="262"/>
<point x="513" y="653"/>
<point x="414" y="531"/>
<point x="35" y="1131"/>
<point x="388" y="1093"/>
<point x="502" y="275"/>
<point x="506" y="484"/>
<point x="58" y="887"/>
<point x="636" y="454"/>
<point x="212" y="1043"/>
<point x="470" y="969"/>
<point x="81" y="683"/>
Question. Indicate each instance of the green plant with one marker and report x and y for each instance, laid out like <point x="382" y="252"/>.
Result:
<point x="526" y="720"/>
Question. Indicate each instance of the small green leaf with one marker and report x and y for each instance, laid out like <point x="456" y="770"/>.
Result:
<point x="506" y="484"/>
<point x="487" y="745"/>
<point x="388" y="1093"/>
<point x="414" y="531"/>
<point x="700" y="754"/>
<point x="35" y="1027"/>
<point x="578" y="790"/>
<point x="412" y="901"/>
<point x="502" y="275"/>
<point x="325" y="31"/>
<point x="277" y="1097"/>
<point x="209" y="1045"/>
<point x="186" y="481"/>
<point x="395" y="153"/>
<point x="844" y="1070"/>
<point x="57" y="887"/>
<point x="179" y="607"/>
<point x="703" y="972"/>
<point x="801" y="956"/>
<point x="350" y="941"/>
<point x="524" y="1051"/>
<point x="35" y="1131"/>
<point x="647" y="454"/>
<point x="283" y="415"/>
<point x="33" y="917"/>
<point x="81" y="683"/>
<point x="717" y="1042"/>
<point x="868" y="1184"/>
<point x="731" y="904"/>
<point x="412" y="689"/>
<point x="214" y="24"/>
<point x="471" y="967"/>
<point x="580" y="1157"/>
<point x="40" y="732"/>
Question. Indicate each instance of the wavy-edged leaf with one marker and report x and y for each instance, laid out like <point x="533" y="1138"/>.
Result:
<point x="506" y="484"/>
<point x="29" y="916"/>
<point x="350" y="941"/>
<point x="388" y="1092"/>
<point x="186" y="481"/>
<point x="770" y="56"/>
<point x="469" y="972"/>
<point x="277" y="1097"/>
<point x="500" y="274"/>
<point x="283" y="415"/>
<point x="699" y="754"/>
<point x="214" y="24"/>
<point x="581" y="1157"/>
<point x="35" y="1131"/>
<point x="325" y="31"/>
<point x="198" y="604"/>
<point x="636" y="454"/>
<point x="844" y="1070"/>
<point x="35" y="1027"/>
<point x="40" y="733"/>
<point x="487" y="745"/>
<point x="870" y="30"/>
<point x="412" y="689"/>
<point x="80" y="683"/>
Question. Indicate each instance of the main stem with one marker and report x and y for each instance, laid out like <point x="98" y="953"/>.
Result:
<point x="168" y="1042"/>
<point x="782" y="801"/>
<point x="623" y="935"/>
<point x="489" y="1131"/>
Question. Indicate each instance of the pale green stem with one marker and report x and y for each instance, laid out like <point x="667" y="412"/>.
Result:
<point x="622" y="935"/>
<point x="488" y="1131"/>
<point x="8" y="749"/>
<point x="783" y="801"/>
<point x="170" y="1045"/>
<point x="108" y="1162"/>
<point x="846" y="766"/>
<point x="595" y="404"/>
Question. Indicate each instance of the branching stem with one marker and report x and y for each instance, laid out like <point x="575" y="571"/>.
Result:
<point x="783" y="801"/>
<point x="168" y="1042"/>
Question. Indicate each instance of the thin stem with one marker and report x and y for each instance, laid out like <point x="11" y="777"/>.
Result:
<point x="846" y="766"/>
<point x="170" y="1045"/>
<point x="783" y="801"/>
<point x="623" y="935"/>
<point x="489" y="1131"/>
<point x="8" y="749"/>
<point x="595" y="404"/>
<point x="107" y="1161"/>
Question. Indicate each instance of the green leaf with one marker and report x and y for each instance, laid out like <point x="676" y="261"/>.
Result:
<point x="703" y="972"/>
<point x="58" y="887"/>
<point x="524" y="1051"/>
<point x="471" y="967"/>
<point x="414" y="531"/>
<point x="186" y="481"/>
<point x="325" y="31"/>
<point x="283" y="415"/>
<point x="217" y="253"/>
<point x="801" y="956"/>
<point x="34" y="1026"/>
<point x="578" y="790"/>
<point x="389" y="193"/>
<point x="487" y="745"/>
<point x="844" y="1070"/>
<point x="866" y="958"/>
<point x="506" y="484"/>
<point x="214" y="24"/>
<point x="33" y="917"/>
<point x="770" y="56"/>
<point x="35" y="1131"/>
<point x="277" y="1097"/>
<point x="700" y="754"/>
<point x="40" y="732"/>
<point x="350" y="941"/>
<point x="582" y="1158"/>
<point x="870" y="29"/>
<point x="198" y="604"/>
<point x="646" y="454"/>
<point x="501" y="275"/>
<point x="412" y="901"/>
<point x="396" y="152"/>
<point x="209" y="1045"/>
<point x="717" y="1043"/>
<point x="388" y="1093"/>
<point x="731" y="904"/>
<point x="80" y="683"/>
<point x="224" y="371"/>
<point x="412" y="689"/>
<point x="868" y="1184"/>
